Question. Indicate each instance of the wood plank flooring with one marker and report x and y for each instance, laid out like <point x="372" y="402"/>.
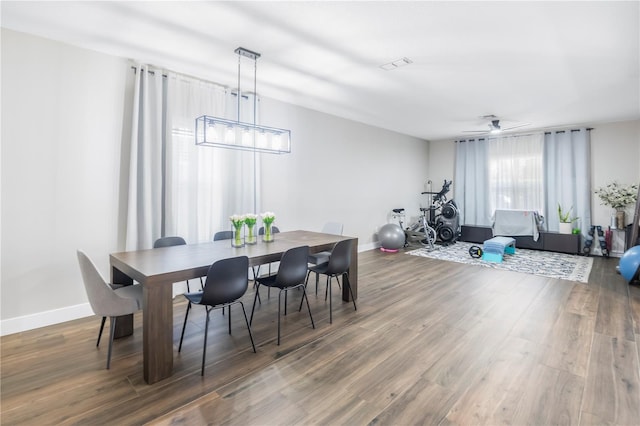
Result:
<point x="432" y="342"/>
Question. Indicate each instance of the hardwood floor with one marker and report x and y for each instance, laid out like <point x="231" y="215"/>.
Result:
<point x="432" y="342"/>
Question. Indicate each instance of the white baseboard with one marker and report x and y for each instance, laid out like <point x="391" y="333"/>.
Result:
<point x="43" y="319"/>
<point x="368" y="246"/>
<point x="56" y="316"/>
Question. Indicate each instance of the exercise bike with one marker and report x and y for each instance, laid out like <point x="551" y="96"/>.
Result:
<point x="417" y="232"/>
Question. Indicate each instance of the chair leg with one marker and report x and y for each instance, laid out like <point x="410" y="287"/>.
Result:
<point x="330" y="301"/>
<point x="327" y="288"/>
<point x="248" y="327"/>
<point x="317" y="280"/>
<point x="100" y="332"/>
<point x="279" y="303"/>
<point x="188" y="289"/>
<point x="305" y="297"/>
<point x="285" y="302"/>
<point x="305" y="289"/>
<point x="184" y="326"/>
<point x="254" y="302"/>
<point x="229" y="310"/>
<point x="345" y="281"/>
<point x="256" y="272"/>
<point x="204" y="349"/>
<point x="112" y="330"/>
<point x="306" y="280"/>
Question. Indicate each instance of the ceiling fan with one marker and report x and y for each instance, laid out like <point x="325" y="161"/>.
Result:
<point x="494" y="126"/>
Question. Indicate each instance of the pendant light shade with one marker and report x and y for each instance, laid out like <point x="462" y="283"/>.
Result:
<point x="223" y="133"/>
<point x="235" y="134"/>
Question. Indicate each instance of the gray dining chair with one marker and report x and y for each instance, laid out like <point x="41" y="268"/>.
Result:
<point x="108" y="300"/>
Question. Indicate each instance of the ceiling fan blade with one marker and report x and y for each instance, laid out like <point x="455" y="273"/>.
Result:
<point x="515" y="127"/>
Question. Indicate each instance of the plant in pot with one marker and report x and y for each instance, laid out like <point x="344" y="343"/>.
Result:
<point x="566" y="221"/>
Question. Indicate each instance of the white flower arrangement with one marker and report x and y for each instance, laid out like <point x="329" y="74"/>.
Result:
<point x="237" y="220"/>
<point x="250" y="219"/>
<point x="617" y="196"/>
<point x="268" y="217"/>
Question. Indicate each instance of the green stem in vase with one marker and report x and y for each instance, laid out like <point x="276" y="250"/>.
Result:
<point x="238" y="236"/>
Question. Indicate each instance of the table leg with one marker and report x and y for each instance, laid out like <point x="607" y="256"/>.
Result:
<point x="353" y="274"/>
<point x="124" y="324"/>
<point x="157" y="325"/>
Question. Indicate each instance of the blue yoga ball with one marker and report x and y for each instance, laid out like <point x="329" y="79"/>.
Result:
<point x="629" y="265"/>
<point x="391" y="236"/>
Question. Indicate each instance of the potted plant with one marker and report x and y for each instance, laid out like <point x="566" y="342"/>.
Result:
<point x="618" y="197"/>
<point x="566" y="221"/>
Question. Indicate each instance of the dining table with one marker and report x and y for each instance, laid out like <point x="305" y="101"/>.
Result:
<point x="157" y="269"/>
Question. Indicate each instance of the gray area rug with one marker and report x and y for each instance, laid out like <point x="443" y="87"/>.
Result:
<point x="537" y="262"/>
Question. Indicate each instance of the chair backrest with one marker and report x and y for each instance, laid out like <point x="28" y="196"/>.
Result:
<point x="223" y="235"/>
<point x="103" y="300"/>
<point x="274" y="230"/>
<point x="334" y="228"/>
<point x="293" y="267"/>
<point x="169" y="241"/>
<point x="227" y="281"/>
<point x="340" y="259"/>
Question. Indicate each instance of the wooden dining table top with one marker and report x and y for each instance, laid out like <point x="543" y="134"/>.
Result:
<point x="179" y="263"/>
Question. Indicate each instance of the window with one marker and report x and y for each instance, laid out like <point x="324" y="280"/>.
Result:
<point x="515" y="173"/>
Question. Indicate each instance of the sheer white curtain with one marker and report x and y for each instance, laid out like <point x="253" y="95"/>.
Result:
<point x="144" y="221"/>
<point x="205" y="185"/>
<point x="568" y="176"/>
<point x="516" y="173"/>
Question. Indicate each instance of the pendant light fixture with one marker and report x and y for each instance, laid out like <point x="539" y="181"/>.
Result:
<point x="224" y="133"/>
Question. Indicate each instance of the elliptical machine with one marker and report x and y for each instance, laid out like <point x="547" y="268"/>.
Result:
<point x="444" y="215"/>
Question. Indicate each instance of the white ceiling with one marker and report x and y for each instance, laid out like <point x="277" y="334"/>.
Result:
<point x="550" y="64"/>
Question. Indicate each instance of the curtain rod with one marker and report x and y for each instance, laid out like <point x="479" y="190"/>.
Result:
<point x="135" y="69"/>
<point x="588" y="129"/>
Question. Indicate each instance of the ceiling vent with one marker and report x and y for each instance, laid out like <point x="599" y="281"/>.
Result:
<point x="396" y="64"/>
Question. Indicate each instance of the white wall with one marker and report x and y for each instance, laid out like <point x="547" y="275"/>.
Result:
<point x="340" y="171"/>
<point x="62" y="130"/>
<point x="615" y="155"/>
<point x="62" y="112"/>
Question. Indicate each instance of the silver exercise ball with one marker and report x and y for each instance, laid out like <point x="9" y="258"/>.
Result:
<point x="391" y="236"/>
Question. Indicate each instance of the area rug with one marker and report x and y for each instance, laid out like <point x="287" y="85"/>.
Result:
<point x="537" y="262"/>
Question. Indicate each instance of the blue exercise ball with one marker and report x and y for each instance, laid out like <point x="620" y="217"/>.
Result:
<point x="391" y="236"/>
<point x="629" y="265"/>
